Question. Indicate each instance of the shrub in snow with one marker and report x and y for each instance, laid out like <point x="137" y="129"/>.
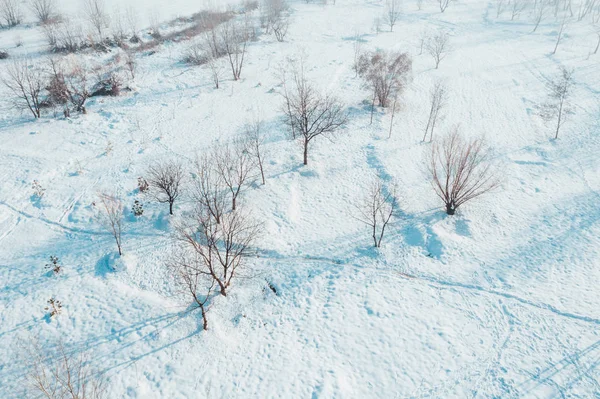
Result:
<point x="54" y="307"/>
<point x="3" y="54"/>
<point x="111" y="216"/>
<point x="10" y="12"/>
<point x="38" y="190"/>
<point x="53" y="266"/>
<point x="138" y="208"/>
<point x="376" y="209"/>
<point x="142" y="185"/>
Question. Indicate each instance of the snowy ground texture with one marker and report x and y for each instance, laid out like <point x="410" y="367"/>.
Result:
<point x="500" y="301"/>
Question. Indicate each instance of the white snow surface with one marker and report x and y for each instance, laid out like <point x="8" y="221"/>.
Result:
<point x="499" y="301"/>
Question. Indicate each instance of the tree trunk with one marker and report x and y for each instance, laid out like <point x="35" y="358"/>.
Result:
<point x="204" y="318"/>
<point x="170" y="207"/>
<point x="305" y="152"/>
<point x="233" y="203"/>
<point x="450" y="209"/>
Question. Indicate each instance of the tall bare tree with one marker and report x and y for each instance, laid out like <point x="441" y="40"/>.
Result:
<point x="44" y="10"/>
<point x="95" y="12"/>
<point x="191" y="277"/>
<point x="312" y="114"/>
<point x="376" y="209"/>
<point x="27" y="82"/>
<point x="443" y="4"/>
<point x="560" y="34"/>
<point x="235" y="37"/>
<point x="393" y="11"/>
<point x="10" y="12"/>
<point x="460" y="170"/>
<point x="60" y="374"/>
<point x="235" y="165"/>
<point x="438" y="46"/>
<point x="539" y="13"/>
<point x="256" y="141"/>
<point x="222" y="248"/>
<point x="439" y="99"/>
<point x="111" y="216"/>
<point x="165" y="180"/>
<point x="209" y="187"/>
<point x="558" y="106"/>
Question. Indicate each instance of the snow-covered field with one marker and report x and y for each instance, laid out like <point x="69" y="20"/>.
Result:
<point x="499" y="301"/>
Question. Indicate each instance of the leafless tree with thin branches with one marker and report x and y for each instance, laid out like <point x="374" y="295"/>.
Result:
<point x="438" y="46"/>
<point x="59" y="374"/>
<point x="280" y="28"/>
<point x="439" y="99"/>
<point x="376" y="209"/>
<point x="192" y="279"/>
<point x="393" y="11"/>
<point x="27" y="82"/>
<point x="209" y="187"/>
<point x="311" y="114"/>
<point x="235" y="37"/>
<point x="165" y="180"/>
<point x="10" y="12"/>
<point x="235" y="164"/>
<point x="539" y="13"/>
<point x="460" y="170"/>
<point x="215" y="67"/>
<point x="44" y="10"/>
<point x="443" y="4"/>
<point x="222" y="248"/>
<point x="558" y="106"/>
<point x="111" y="216"/>
<point x="256" y="141"/>
<point x="95" y="12"/>
<point x="516" y="8"/>
<point x="560" y="34"/>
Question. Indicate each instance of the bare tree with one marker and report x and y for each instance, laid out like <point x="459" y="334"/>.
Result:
<point x="376" y="209"/>
<point x="111" y="211"/>
<point x="419" y="4"/>
<point x="558" y="106"/>
<point x="209" y="187"/>
<point x="439" y="99"/>
<point x="165" y="180"/>
<point x="10" y="12"/>
<point x="44" y="10"/>
<point x="438" y="47"/>
<point x="235" y="165"/>
<point x="312" y="114"/>
<point x="560" y="34"/>
<point x="187" y="267"/>
<point x="443" y="4"/>
<point x="460" y="170"/>
<point x="222" y="248"/>
<point x="516" y="7"/>
<point x="357" y="46"/>
<point x="423" y="38"/>
<point x="393" y="10"/>
<point x="597" y="41"/>
<point x="27" y="83"/>
<point x="539" y="13"/>
<point x="95" y="12"/>
<point x="58" y="374"/>
<point x="280" y="28"/>
<point x="130" y="63"/>
<point x="216" y="70"/>
<point x="386" y="74"/>
<point x="271" y="12"/>
<point x="131" y="18"/>
<point x="500" y="7"/>
<point x="256" y="141"/>
<point x="235" y="36"/>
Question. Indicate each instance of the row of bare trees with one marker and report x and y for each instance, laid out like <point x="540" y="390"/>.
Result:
<point x="62" y="83"/>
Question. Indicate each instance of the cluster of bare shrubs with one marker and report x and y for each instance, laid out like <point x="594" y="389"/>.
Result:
<point x="10" y="13"/>
<point x="385" y="74"/>
<point x="62" y="83"/>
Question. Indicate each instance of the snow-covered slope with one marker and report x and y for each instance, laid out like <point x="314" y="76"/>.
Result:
<point x="500" y="301"/>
